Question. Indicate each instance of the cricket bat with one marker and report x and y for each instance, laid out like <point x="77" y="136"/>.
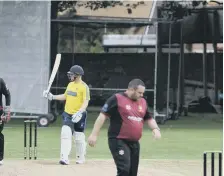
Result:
<point x="54" y="71"/>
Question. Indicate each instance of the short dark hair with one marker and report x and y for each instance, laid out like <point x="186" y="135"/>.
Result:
<point x="134" y="83"/>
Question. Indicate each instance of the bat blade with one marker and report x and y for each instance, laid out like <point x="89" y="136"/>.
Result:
<point x="54" y="71"/>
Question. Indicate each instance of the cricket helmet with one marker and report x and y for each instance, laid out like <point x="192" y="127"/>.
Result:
<point x="76" y="70"/>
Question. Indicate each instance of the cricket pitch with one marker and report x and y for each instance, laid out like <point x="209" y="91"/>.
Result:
<point x="99" y="168"/>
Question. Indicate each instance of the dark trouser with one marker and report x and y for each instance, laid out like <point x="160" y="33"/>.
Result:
<point x="126" y="156"/>
<point x="77" y="127"/>
<point x="1" y="140"/>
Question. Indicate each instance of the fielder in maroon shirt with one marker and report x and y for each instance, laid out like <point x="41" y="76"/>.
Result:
<point x="127" y="112"/>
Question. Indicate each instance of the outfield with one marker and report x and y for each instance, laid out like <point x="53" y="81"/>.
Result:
<point x="178" y="153"/>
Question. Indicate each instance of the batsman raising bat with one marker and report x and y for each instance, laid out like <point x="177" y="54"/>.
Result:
<point x="77" y="96"/>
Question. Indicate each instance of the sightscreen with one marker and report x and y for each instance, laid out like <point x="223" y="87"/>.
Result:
<point x="24" y="48"/>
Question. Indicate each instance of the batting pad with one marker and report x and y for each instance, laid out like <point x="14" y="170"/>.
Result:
<point x="80" y="146"/>
<point x="66" y="142"/>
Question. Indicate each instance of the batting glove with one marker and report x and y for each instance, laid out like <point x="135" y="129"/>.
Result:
<point x="77" y="117"/>
<point x="6" y="114"/>
<point x="48" y="95"/>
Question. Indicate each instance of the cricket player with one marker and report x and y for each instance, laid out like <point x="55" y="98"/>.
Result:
<point x="77" y="96"/>
<point x="127" y="112"/>
<point x="4" y="114"/>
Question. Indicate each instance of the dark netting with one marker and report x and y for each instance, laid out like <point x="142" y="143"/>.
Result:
<point x="106" y="74"/>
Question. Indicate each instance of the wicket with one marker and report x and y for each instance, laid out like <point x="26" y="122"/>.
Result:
<point x="213" y="162"/>
<point x="30" y="123"/>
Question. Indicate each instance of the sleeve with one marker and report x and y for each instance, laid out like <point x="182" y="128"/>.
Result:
<point x="6" y="92"/>
<point x="148" y="115"/>
<point x="86" y="93"/>
<point x="110" y="105"/>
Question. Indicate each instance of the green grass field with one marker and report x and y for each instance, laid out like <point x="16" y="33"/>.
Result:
<point x="186" y="138"/>
<point x="178" y="153"/>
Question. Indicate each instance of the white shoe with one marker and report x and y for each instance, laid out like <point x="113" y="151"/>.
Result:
<point x="1" y="162"/>
<point x="80" y="161"/>
<point x="64" y="162"/>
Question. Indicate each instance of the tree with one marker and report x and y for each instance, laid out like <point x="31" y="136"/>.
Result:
<point x="95" y="5"/>
<point x="173" y="10"/>
<point x="89" y="37"/>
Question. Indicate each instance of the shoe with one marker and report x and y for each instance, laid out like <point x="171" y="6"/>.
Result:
<point x="80" y="161"/>
<point x="1" y="162"/>
<point x="64" y="162"/>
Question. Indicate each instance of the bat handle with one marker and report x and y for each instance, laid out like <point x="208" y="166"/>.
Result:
<point x="48" y="89"/>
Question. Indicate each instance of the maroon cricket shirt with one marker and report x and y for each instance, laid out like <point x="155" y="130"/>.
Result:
<point x="126" y="116"/>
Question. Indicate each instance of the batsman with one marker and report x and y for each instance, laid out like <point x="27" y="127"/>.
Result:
<point x="77" y="96"/>
<point x="4" y="114"/>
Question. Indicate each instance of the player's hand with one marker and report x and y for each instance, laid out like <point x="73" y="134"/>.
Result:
<point x="6" y="114"/>
<point x="48" y="95"/>
<point x="92" y="140"/>
<point x="5" y="118"/>
<point x="77" y="117"/>
<point x="156" y="134"/>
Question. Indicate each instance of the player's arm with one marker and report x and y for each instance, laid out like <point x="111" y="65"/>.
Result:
<point x="98" y="124"/>
<point x="6" y="93"/>
<point x="61" y="97"/>
<point x="50" y="96"/>
<point x="152" y="124"/>
<point x="106" y="111"/>
<point x="84" y="105"/>
<point x="86" y="98"/>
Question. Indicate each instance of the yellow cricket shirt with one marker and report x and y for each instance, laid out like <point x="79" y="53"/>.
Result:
<point x="76" y="94"/>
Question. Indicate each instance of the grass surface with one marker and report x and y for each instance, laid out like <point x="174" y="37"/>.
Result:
<point x="186" y="138"/>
